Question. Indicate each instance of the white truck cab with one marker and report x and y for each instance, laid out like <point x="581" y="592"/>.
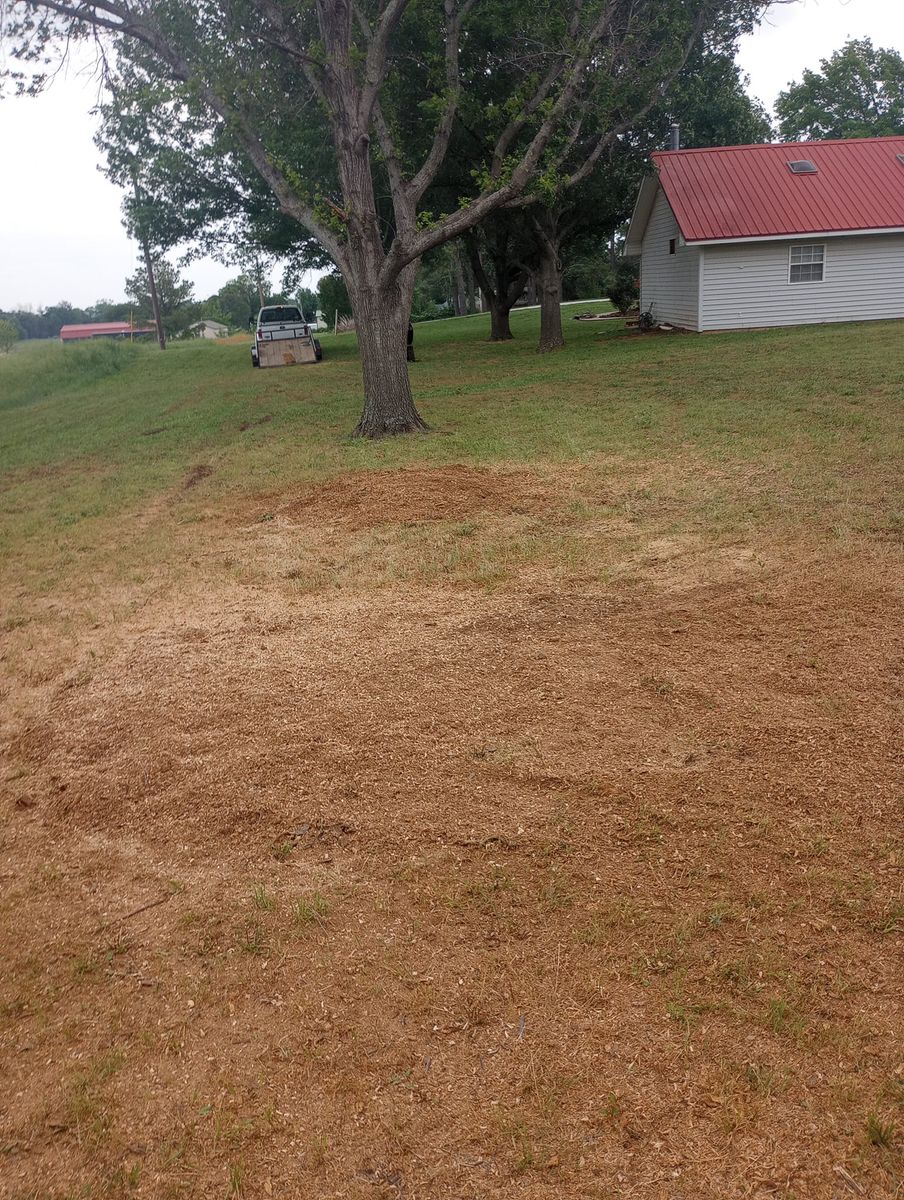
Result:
<point x="283" y="337"/>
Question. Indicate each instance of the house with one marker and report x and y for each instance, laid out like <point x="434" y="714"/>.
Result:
<point x="800" y="233"/>
<point x="208" y="329"/>
<point x="105" y="329"/>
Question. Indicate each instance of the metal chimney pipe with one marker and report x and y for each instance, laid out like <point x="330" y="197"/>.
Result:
<point x="674" y="137"/>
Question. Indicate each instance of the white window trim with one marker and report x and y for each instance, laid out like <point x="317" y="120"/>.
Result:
<point x="805" y="282"/>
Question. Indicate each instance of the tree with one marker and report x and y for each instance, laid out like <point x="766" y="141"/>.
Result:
<point x="444" y="285"/>
<point x="354" y="70"/>
<point x="708" y="100"/>
<point x="531" y="239"/>
<point x="9" y="335"/>
<point x="177" y="309"/>
<point x="859" y="92"/>
<point x="238" y="301"/>
<point x="711" y="103"/>
<point x="308" y="301"/>
<point x="497" y="252"/>
<point x="109" y="310"/>
<point x="334" y="297"/>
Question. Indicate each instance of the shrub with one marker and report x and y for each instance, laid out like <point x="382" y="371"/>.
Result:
<point x="9" y="335"/>
<point x="623" y="290"/>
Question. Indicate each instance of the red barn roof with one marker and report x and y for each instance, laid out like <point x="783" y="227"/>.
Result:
<point x="738" y="192"/>
<point x="73" y="333"/>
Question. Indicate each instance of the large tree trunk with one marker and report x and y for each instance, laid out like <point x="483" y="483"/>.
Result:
<point x="152" y="288"/>
<point x="381" y="320"/>
<point x="549" y="280"/>
<point x="500" y="326"/>
<point x="499" y="294"/>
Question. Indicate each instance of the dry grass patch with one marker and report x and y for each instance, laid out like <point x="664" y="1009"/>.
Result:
<point x="488" y="823"/>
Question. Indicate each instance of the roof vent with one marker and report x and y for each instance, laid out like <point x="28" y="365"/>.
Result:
<point x="802" y="166"/>
<point x="900" y="158"/>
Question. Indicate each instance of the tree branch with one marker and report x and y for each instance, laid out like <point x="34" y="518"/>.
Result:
<point x="76" y="12"/>
<point x="375" y="63"/>
<point x="606" y="140"/>
<point x="518" y="123"/>
<point x="290" y="45"/>
<point x="403" y="252"/>
<point x="425" y="176"/>
<point x="290" y="202"/>
<point x="402" y="210"/>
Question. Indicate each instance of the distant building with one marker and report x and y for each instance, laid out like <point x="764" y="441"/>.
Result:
<point x="105" y="329"/>
<point x="208" y="329"/>
<point x="737" y="237"/>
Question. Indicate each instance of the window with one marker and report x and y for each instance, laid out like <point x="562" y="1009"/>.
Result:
<point x="807" y="264"/>
<point x="803" y="166"/>
<point x="279" y="314"/>
<point x="673" y="245"/>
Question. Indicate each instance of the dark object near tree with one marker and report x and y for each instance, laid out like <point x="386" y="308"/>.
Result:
<point x="409" y="344"/>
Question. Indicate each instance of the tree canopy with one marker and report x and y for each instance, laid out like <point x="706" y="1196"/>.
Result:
<point x="177" y="309"/>
<point x="858" y="92"/>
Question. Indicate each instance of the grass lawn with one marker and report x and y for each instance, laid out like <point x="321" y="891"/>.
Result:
<point x="511" y="811"/>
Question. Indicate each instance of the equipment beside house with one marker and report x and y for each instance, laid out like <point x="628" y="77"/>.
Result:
<point x="743" y="237"/>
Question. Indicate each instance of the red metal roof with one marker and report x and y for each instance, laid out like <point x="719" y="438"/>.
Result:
<point x="71" y="333"/>
<point x="749" y="191"/>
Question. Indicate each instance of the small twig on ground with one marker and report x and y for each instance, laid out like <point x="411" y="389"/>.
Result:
<point x="849" y="1180"/>
<point x="135" y="912"/>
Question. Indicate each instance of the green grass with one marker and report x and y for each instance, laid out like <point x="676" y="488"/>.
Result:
<point x="97" y="443"/>
<point x="314" y="910"/>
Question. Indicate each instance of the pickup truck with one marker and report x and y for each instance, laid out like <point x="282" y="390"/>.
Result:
<point x="283" y="337"/>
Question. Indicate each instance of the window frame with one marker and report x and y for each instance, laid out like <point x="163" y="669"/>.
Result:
<point x="673" y="245"/>
<point x="792" y="264"/>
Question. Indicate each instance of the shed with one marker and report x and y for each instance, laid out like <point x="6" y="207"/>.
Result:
<point x="105" y="329"/>
<point x="791" y="233"/>
<point x="208" y="329"/>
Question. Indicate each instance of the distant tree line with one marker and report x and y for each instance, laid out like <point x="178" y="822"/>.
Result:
<point x="235" y="305"/>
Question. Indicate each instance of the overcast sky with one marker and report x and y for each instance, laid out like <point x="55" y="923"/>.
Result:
<point x="61" y="236"/>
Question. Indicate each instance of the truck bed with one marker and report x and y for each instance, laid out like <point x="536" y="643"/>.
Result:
<point x="285" y="351"/>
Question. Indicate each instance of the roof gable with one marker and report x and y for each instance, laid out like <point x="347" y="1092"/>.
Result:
<point x="750" y="191"/>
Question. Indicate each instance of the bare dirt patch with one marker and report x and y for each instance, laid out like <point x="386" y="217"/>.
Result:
<point x="264" y="420"/>
<point x="362" y="499"/>
<point x="196" y="475"/>
<point x="566" y="890"/>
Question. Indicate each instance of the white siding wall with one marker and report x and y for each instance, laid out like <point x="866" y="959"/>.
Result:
<point x="745" y="286"/>
<point x="669" y="282"/>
